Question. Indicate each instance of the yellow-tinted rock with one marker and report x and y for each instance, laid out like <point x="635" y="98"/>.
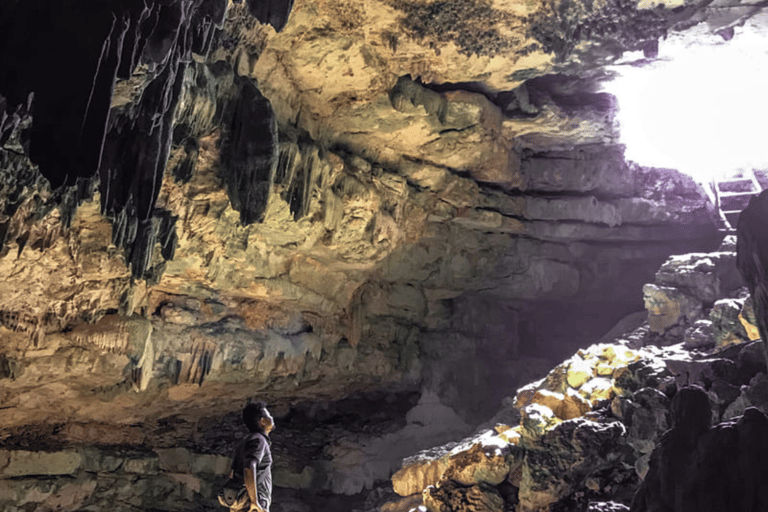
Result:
<point x="617" y="355"/>
<point x="479" y="464"/>
<point x="511" y="436"/>
<point x="668" y="307"/>
<point x="536" y="420"/>
<point x="565" y="406"/>
<point x="556" y="379"/>
<point x="414" y="478"/>
<point x="747" y="319"/>
<point x="573" y="406"/>
<point x="548" y="399"/>
<point x="604" y="369"/>
<point x="579" y="372"/>
<point x="598" y="389"/>
<point x="525" y="394"/>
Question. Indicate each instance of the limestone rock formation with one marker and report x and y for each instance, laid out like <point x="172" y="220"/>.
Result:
<point x="752" y="258"/>
<point x="206" y="200"/>
<point x="696" y="467"/>
<point x="586" y="434"/>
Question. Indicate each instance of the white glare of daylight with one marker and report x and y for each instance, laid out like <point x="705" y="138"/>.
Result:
<point x="702" y="108"/>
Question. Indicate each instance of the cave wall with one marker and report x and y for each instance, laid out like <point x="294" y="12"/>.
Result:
<point x="352" y="198"/>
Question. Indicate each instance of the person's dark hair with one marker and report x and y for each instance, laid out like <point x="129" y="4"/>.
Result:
<point x="252" y="413"/>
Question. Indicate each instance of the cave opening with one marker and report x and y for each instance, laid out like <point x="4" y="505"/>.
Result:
<point x="700" y="105"/>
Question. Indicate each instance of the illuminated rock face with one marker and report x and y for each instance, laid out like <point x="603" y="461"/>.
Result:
<point x="379" y="196"/>
<point x="601" y="423"/>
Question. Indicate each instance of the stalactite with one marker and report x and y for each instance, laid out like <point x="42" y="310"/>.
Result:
<point x="147" y="361"/>
<point x="135" y="378"/>
<point x="195" y="366"/>
<point x="21" y="322"/>
<point x="113" y="339"/>
<point x="251" y="153"/>
<point x="77" y="135"/>
<point x="299" y="167"/>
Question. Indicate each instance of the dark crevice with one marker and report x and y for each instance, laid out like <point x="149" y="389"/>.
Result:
<point x="78" y="141"/>
<point x="474" y="87"/>
<point x="251" y="153"/>
<point x="571" y="94"/>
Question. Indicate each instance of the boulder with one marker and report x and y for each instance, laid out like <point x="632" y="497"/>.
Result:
<point x="536" y="420"/>
<point x="706" y="276"/>
<point x="695" y="468"/>
<point x="755" y="394"/>
<point x="646" y="416"/>
<point x="564" y="458"/>
<point x="414" y="476"/>
<point x="668" y="307"/>
<point x="565" y="406"/>
<point x="690" y="371"/>
<point x="452" y="497"/>
<point x="579" y="372"/>
<point x="482" y="458"/>
<point x="748" y="320"/>
<point x="726" y="326"/>
<point x="19" y="463"/>
<point x="483" y="463"/>
<point x="700" y="335"/>
<point x="598" y="389"/>
<point x="643" y="373"/>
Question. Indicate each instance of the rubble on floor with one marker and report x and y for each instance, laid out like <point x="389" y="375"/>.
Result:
<point x="587" y="431"/>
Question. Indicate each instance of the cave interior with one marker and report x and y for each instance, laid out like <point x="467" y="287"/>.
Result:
<point x="419" y="230"/>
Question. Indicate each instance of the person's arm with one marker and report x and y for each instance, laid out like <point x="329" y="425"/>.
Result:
<point x="250" y="471"/>
<point x="250" y="485"/>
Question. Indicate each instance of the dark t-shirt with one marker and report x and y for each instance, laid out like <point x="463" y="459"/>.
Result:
<point x="255" y="449"/>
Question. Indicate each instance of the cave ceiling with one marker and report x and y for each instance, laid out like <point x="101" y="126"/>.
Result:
<point x="202" y="200"/>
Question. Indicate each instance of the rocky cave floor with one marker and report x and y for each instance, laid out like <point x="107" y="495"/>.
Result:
<point x="581" y="438"/>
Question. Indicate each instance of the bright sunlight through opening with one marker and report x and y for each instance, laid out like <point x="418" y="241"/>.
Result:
<point x="702" y="108"/>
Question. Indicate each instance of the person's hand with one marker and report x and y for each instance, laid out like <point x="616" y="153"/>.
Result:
<point x="255" y="507"/>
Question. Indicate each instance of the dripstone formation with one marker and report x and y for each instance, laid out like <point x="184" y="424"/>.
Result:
<point x="383" y="218"/>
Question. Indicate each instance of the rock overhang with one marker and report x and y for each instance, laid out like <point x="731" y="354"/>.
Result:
<point x="389" y="188"/>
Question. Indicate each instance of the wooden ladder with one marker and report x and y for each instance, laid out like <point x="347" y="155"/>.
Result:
<point x="732" y="195"/>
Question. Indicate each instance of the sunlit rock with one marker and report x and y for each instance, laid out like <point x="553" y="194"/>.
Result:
<point x="597" y="390"/>
<point x="748" y="321"/>
<point x="669" y="307"/>
<point x="579" y="372"/>
<point x="725" y="322"/>
<point x="705" y="276"/>
<point x="535" y="421"/>
<point x="567" y="406"/>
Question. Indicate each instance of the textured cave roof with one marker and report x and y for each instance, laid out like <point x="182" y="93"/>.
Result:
<point x="452" y="105"/>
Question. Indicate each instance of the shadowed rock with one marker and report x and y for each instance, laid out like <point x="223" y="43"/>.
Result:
<point x="752" y="259"/>
<point x="695" y="468"/>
